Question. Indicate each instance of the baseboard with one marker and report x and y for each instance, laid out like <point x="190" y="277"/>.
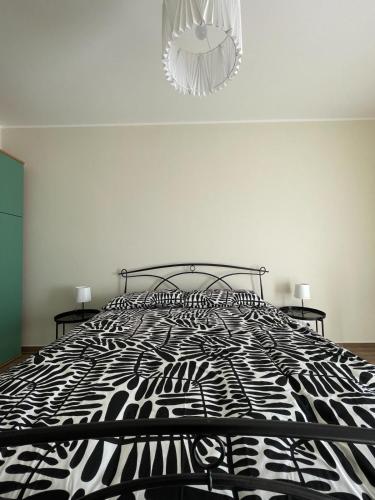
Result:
<point x="27" y="349"/>
<point x="362" y="345"/>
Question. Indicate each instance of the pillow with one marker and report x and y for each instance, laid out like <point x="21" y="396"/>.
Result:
<point x="145" y="300"/>
<point x="167" y="298"/>
<point x="221" y="298"/>
<point x="246" y="298"/>
<point x="133" y="300"/>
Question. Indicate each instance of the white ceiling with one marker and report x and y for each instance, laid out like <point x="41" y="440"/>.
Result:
<point x="72" y="62"/>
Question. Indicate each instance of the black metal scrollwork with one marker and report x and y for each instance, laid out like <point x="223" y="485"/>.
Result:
<point x="213" y="463"/>
<point x="201" y="427"/>
<point x="192" y="269"/>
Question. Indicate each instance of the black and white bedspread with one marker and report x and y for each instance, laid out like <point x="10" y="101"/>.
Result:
<point x="244" y="361"/>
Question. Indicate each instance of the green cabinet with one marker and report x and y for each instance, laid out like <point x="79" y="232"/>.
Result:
<point x="11" y="185"/>
<point x="11" y="230"/>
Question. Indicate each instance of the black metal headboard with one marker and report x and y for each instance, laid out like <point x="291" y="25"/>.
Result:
<point x="191" y="268"/>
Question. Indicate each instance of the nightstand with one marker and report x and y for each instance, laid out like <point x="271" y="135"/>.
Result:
<point x="306" y="314"/>
<point x="70" y="317"/>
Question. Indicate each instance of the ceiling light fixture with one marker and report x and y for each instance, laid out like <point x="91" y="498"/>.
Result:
<point x="202" y="44"/>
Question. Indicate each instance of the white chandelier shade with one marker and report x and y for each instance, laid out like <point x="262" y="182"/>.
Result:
<point x="213" y="29"/>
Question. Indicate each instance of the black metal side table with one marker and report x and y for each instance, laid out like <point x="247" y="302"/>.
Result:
<point x="306" y="314"/>
<point x="77" y="316"/>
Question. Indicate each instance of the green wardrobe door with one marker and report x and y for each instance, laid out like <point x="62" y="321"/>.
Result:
<point x="10" y="286"/>
<point x="11" y="185"/>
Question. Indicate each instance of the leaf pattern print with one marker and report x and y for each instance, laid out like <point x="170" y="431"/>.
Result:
<point x="245" y="361"/>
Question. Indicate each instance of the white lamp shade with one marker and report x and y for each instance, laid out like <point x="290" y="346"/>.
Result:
<point x="83" y="294"/>
<point x="302" y="291"/>
<point x="212" y="30"/>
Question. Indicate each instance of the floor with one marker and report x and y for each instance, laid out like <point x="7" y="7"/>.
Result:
<point x="365" y="351"/>
<point x="3" y="368"/>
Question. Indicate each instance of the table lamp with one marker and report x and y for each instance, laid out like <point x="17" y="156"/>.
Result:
<point x="83" y="295"/>
<point x="302" y="291"/>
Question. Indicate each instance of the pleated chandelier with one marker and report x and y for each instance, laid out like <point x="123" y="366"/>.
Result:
<point x="202" y="44"/>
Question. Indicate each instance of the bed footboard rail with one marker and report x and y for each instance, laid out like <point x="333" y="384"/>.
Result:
<point x="218" y="481"/>
<point x="199" y="428"/>
<point x="188" y="425"/>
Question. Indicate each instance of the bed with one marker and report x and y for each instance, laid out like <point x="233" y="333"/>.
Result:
<point x="207" y="394"/>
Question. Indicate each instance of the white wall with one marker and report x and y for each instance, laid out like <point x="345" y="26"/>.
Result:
<point x="295" y="197"/>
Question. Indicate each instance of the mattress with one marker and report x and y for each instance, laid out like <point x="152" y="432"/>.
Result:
<point x="250" y="362"/>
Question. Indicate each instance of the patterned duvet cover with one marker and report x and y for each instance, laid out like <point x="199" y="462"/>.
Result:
<point x="251" y="362"/>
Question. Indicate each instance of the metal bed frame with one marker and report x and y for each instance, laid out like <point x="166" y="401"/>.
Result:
<point x="200" y="428"/>
<point x="196" y="427"/>
<point x="191" y="268"/>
